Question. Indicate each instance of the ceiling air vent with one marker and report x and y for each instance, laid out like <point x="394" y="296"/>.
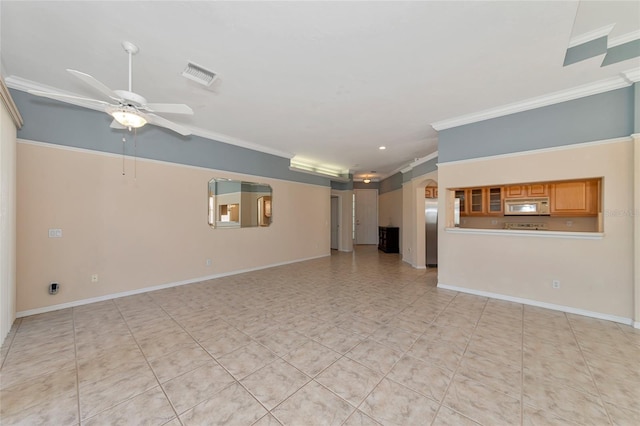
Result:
<point x="199" y="74"/>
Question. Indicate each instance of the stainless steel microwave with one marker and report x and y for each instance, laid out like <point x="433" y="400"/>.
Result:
<point x="527" y="207"/>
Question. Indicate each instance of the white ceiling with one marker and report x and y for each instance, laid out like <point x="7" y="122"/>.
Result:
<point x="325" y="81"/>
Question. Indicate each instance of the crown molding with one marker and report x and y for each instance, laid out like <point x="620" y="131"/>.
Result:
<point x="622" y="39"/>
<point x="25" y="85"/>
<point x="591" y="35"/>
<point x="632" y="76"/>
<point x="417" y="162"/>
<point x="623" y="80"/>
<point x="7" y="100"/>
<point x="424" y="159"/>
<point x="219" y="137"/>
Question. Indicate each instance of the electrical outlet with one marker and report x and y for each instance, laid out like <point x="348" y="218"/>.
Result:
<point x="494" y="222"/>
<point x="55" y="233"/>
<point x="569" y="223"/>
<point x="94" y="278"/>
<point x="208" y="262"/>
<point x="555" y="283"/>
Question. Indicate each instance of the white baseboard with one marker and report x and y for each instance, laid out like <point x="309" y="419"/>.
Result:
<point x="81" y="302"/>
<point x="554" y="307"/>
<point x="413" y="265"/>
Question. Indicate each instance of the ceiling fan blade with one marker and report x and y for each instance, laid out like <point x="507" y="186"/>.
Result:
<point x="163" y="122"/>
<point x="91" y="81"/>
<point x="169" y="108"/>
<point x="77" y="100"/>
<point x="116" y="125"/>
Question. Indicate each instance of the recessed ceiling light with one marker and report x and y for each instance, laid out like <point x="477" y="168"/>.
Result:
<point x="382" y="148"/>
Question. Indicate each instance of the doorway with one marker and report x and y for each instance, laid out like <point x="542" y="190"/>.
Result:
<point x="366" y="216"/>
<point x="335" y="223"/>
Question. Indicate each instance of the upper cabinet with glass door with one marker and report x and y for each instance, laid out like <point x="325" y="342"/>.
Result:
<point x="484" y="201"/>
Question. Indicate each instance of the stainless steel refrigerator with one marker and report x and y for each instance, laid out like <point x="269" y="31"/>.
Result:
<point x="431" y="230"/>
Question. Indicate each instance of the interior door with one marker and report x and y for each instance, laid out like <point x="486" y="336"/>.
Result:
<point x="335" y="223"/>
<point x="366" y="216"/>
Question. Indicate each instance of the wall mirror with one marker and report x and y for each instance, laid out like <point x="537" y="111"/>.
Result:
<point x="239" y="204"/>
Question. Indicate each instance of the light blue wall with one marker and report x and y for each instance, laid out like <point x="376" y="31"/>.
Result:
<point x="59" y="123"/>
<point x="421" y="169"/>
<point x="342" y="186"/>
<point x="622" y="52"/>
<point x="426" y="167"/>
<point x="391" y="183"/>
<point x="598" y="117"/>
<point x="362" y="185"/>
<point x="636" y="118"/>
<point x="586" y="50"/>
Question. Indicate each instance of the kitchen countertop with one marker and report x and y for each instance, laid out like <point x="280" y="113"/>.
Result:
<point x="528" y="233"/>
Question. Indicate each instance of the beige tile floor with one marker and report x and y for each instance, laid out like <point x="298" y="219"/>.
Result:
<point x="351" y="339"/>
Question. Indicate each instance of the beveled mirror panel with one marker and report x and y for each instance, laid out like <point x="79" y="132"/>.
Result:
<point x="239" y="204"/>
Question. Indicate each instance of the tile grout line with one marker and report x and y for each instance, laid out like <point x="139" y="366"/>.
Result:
<point x="356" y="408"/>
<point x="593" y="379"/>
<point x="403" y="354"/>
<point x="453" y="308"/>
<point x="237" y="381"/>
<point x="522" y="367"/>
<point x="13" y="336"/>
<point x="486" y="302"/>
<point x="75" y="358"/>
<point x="148" y="364"/>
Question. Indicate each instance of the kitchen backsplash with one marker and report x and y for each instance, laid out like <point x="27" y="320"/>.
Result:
<point x="570" y="224"/>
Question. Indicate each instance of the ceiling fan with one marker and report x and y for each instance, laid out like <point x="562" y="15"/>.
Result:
<point x="128" y="109"/>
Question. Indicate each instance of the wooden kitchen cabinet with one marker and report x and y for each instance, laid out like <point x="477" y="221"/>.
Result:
<point x="462" y="194"/>
<point x="485" y="201"/>
<point x="575" y="198"/>
<point x="495" y="200"/>
<point x="580" y="197"/>
<point x="477" y="203"/>
<point x="533" y="190"/>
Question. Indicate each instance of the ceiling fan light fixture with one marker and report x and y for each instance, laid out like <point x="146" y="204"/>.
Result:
<point x="128" y="118"/>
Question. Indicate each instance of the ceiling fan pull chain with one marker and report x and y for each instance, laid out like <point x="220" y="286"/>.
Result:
<point x="123" y="141"/>
<point x="135" y="154"/>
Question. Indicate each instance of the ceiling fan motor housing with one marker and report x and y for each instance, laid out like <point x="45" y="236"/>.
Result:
<point x="131" y="99"/>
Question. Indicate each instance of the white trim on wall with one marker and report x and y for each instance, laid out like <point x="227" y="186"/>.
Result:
<point x="150" y="160"/>
<point x="7" y="100"/>
<point x="552" y="306"/>
<point x="24" y="85"/>
<point x="153" y="288"/>
<point x="540" y="150"/>
<point x="591" y="35"/>
<point x="625" y="79"/>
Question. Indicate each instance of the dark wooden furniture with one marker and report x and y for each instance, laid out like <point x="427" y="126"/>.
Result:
<point x="388" y="238"/>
